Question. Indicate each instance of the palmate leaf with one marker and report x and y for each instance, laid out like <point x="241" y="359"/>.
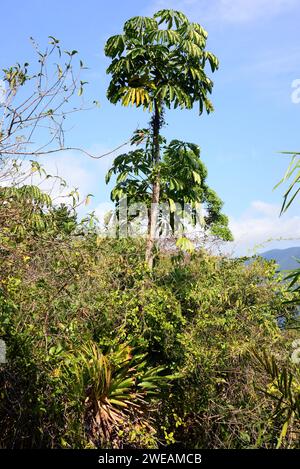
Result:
<point x="136" y="52"/>
<point x="213" y="61"/>
<point x="122" y="176"/>
<point x="164" y="36"/>
<point x="117" y="193"/>
<point x="171" y="17"/>
<point x="194" y="36"/>
<point x="139" y="23"/>
<point x="177" y="146"/>
<point x="191" y="48"/>
<point x="115" y="45"/>
<point x="119" y="66"/>
<point x="137" y="97"/>
<point x="181" y="98"/>
<point x="198" y="28"/>
<point x="195" y="72"/>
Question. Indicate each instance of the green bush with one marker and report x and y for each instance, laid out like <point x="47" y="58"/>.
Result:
<point x="69" y="299"/>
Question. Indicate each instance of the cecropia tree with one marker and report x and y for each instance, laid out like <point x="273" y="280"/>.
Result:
<point x="159" y="63"/>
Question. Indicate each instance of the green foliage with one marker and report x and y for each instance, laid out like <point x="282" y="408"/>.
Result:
<point x="114" y="393"/>
<point x="64" y="219"/>
<point x="161" y="58"/>
<point x="25" y="206"/>
<point x="93" y="338"/>
<point x="183" y="185"/>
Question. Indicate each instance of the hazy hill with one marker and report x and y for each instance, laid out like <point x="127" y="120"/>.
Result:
<point x="285" y="258"/>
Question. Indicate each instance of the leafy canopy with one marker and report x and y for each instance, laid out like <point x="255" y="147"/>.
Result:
<point x="163" y="59"/>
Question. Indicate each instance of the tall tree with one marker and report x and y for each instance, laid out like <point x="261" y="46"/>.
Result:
<point x="160" y="62"/>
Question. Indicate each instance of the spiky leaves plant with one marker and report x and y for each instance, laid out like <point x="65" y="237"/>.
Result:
<point x="116" y="390"/>
<point x="160" y="62"/>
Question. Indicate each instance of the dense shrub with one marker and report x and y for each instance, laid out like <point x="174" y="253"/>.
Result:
<point x="73" y="303"/>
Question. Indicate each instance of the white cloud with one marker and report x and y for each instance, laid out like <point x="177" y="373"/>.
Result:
<point x="229" y="11"/>
<point x="71" y="167"/>
<point x="268" y="210"/>
<point x="261" y="225"/>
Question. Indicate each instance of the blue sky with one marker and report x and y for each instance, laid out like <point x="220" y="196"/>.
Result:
<point x="257" y="42"/>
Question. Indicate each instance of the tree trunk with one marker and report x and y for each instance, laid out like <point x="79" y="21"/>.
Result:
<point x="155" y="188"/>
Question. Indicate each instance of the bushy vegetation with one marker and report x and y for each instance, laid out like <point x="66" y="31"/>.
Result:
<point x="104" y="353"/>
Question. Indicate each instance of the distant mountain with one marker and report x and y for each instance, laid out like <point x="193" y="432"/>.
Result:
<point x="285" y="258"/>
